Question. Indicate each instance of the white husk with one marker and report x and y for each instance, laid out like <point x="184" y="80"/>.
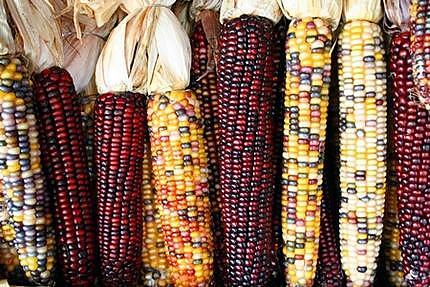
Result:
<point x="235" y="8"/>
<point x="368" y="10"/>
<point x="147" y="52"/>
<point x="199" y="5"/>
<point x="397" y="12"/>
<point x="7" y="44"/>
<point x="331" y="10"/>
<point x="39" y="32"/>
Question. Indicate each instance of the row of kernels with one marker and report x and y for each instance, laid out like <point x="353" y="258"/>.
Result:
<point x="306" y="104"/>
<point x="362" y="149"/>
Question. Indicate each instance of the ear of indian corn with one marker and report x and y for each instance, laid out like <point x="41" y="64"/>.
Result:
<point x="245" y="116"/>
<point x="24" y="188"/>
<point x="411" y="138"/>
<point x="306" y="102"/>
<point x="180" y="168"/>
<point x="203" y="84"/>
<point x="64" y="158"/>
<point x="118" y="155"/>
<point x="155" y="268"/>
<point x="363" y="112"/>
<point x="420" y="49"/>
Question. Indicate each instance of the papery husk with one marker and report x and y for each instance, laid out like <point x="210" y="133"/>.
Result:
<point x="147" y="52"/>
<point x="396" y="15"/>
<point x="199" y="5"/>
<point x="367" y="10"/>
<point x="330" y="10"/>
<point x="7" y="44"/>
<point x="181" y="9"/>
<point x="39" y="32"/>
<point x="231" y="9"/>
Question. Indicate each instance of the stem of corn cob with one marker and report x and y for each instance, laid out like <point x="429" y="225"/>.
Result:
<point x="246" y="149"/>
<point x="180" y="170"/>
<point x="64" y="158"/>
<point x="412" y="164"/>
<point x="24" y="189"/>
<point x="420" y="49"/>
<point x="118" y="154"/>
<point x="155" y="267"/>
<point x="203" y="83"/>
<point x="363" y="112"/>
<point x="309" y="42"/>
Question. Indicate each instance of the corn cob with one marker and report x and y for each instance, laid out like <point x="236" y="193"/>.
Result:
<point x="118" y="155"/>
<point x="329" y="271"/>
<point x="203" y="83"/>
<point x="412" y="164"/>
<point x="155" y="268"/>
<point x="180" y="176"/>
<point x="87" y="115"/>
<point x="306" y="102"/>
<point x="64" y="158"/>
<point x="245" y="116"/>
<point x="420" y="49"/>
<point x="24" y="189"/>
<point x="363" y="112"/>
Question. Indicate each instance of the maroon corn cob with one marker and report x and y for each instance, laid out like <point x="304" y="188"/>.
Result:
<point x="329" y="270"/>
<point x="118" y="154"/>
<point x="412" y="147"/>
<point x="64" y="158"/>
<point x="245" y="105"/>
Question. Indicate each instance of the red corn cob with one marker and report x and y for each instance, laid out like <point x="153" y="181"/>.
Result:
<point x="245" y="103"/>
<point x="64" y="158"/>
<point x="118" y="154"/>
<point x="203" y="83"/>
<point x="412" y="147"/>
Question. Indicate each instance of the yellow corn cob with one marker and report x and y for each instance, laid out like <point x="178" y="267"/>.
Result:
<point x="363" y="112"/>
<point x="306" y="103"/>
<point x="180" y="178"/>
<point x="391" y="236"/>
<point x="155" y="271"/>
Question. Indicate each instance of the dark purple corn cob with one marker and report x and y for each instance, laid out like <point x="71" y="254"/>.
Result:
<point x="120" y="121"/>
<point x="245" y="114"/>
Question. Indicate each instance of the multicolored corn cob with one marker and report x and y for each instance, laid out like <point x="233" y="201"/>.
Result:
<point x="203" y="84"/>
<point x="180" y="171"/>
<point x="329" y="270"/>
<point x="363" y="140"/>
<point x="87" y="115"/>
<point x="155" y="267"/>
<point x="64" y="159"/>
<point x="246" y="150"/>
<point x="118" y="155"/>
<point x="420" y="49"/>
<point x="306" y="103"/>
<point x="411" y="138"/>
<point x="24" y="188"/>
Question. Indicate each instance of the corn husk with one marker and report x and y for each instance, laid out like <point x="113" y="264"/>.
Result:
<point x="199" y="5"/>
<point x="396" y="15"/>
<point x="39" y="32"/>
<point x="330" y="10"/>
<point x="368" y="10"/>
<point x="7" y="44"/>
<point x="235" y="8"/>
<point x="147" y="52"/>
<point x="181" y="9"/>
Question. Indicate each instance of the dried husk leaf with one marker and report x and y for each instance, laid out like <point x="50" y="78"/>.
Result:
<point x="182" y="11"/>
<point x="330" y="10"/>
<point x="39" y="32"/>
<point x="101" y="10"/>
<point x="132" y="5"/>
<point x="7" y="44"/>
<point x="199" y="5"/>
<point x="368" y="10"/>
<point x="266" y="8"/>
<point x="396" y="15"/>
<point x="147" y="52"/>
